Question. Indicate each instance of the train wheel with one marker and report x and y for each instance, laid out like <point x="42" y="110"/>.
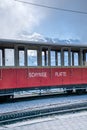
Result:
<point x="69" y="91"/>
<point x="81" y="91"/>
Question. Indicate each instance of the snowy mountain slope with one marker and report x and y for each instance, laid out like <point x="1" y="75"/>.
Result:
<point x="38" y="37"/>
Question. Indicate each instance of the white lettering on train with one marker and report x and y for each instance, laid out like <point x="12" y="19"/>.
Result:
<point x="36" y="74"/>
<point x="60" y="74"/>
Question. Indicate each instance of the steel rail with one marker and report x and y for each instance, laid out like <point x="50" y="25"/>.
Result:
<point x="20" y="115"/>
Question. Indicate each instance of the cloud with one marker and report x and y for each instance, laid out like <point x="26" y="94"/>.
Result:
<point x="17" y="17"/>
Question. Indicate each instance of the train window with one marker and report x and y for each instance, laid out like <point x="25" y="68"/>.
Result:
<point x="21" y="58"/>
<point x="71" y="59"/>
<point x="0" y="57"/>
<point x="65" y="58"/>
<point x="9" y="57"/>
<point x="53" y="59"/>
<point x="59" y="58"/>
<point x="45" y="58"/>
<point x="76" y="63"/>
<point x="85" y="59"/>
<point x="32" y="58"/>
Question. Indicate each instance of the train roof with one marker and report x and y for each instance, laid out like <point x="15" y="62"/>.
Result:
<point x="14" y="42"/>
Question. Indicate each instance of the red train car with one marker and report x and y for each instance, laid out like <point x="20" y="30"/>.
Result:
<point x="33" y="68"/>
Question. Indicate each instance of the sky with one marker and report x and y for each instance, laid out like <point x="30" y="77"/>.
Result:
<point x="18" y="19"/>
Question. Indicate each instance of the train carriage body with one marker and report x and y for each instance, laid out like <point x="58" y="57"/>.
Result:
<point x="46" y="74"/>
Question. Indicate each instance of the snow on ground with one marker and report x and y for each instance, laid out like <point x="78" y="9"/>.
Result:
<point x="39" y="102"/>
<point x="76" y="121"/>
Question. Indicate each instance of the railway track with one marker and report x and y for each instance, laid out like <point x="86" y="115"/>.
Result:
<point x="10" y="117"/>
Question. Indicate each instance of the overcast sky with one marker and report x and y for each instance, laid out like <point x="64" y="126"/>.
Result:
<point x="18" y="18"/>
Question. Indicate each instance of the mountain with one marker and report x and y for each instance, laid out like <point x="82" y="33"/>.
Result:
<point x="38" y="37"/>
<point x="34" y="37"/>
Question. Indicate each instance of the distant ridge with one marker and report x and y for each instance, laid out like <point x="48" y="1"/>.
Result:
<point x="38" y="37"/>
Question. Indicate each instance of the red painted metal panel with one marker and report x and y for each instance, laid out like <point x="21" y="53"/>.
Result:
<point x="45" y="80"/>
<point x="84" y="75"/>
<point x="56" y="76"/>
<point x="0" y="74"/>
<point x="75" y="76"/>
<point x="38" y="77"/>
<point x="66" y="77"/>
<point x="32" y="77"/>
<point x="22" y="78"/>
<point x="8" y="79"/>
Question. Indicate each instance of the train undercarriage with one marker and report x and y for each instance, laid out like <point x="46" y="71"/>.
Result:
<point x="43" y="91"/>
